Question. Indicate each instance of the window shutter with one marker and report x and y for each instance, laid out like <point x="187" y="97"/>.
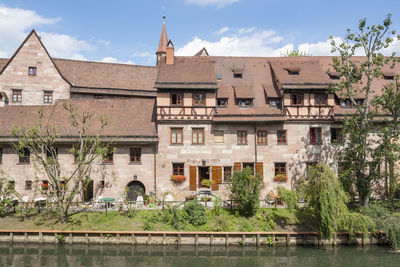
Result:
<point x="219" y="174"/>
<point x="192" y="178"/>
<point x="260" y="169"/>
<point x="237" y="167"/>
<point x="214" y="172"/>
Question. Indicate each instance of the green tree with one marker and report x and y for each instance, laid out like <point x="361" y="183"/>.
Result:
<point x="295" y="53"/>
<point x="245" y="189"/>
<point x="355" y="82"/>
<point x="41" y="140"/>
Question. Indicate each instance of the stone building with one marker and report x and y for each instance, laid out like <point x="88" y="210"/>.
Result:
<point x="202" y="117"/>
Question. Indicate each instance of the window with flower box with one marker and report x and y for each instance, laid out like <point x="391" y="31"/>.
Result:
<point x="178" y="169"/>
<point x="280" y="172"/>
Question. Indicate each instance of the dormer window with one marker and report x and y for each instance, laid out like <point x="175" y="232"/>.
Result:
<point x="245" y="102"/>
<point x="293" y="71"/>
<point x="360" y="102"/>
<point x="388" y="77"/>
<point x="32" y="71"/>
<point x="222" y="102"/>
<point x="334" y="77"/>
<point x="237" y="75"/>
<point x="275" y="103"/>
<point x="219" y="77"/>
<point x="346" y="103"/>
<point x="176" y="99"/>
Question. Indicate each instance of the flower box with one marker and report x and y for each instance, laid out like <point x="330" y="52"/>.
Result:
<point x="280" y="178"/>
<point x="178" y="178"/>
<point x="45" y="186"/>
<point x="207" y="183"/>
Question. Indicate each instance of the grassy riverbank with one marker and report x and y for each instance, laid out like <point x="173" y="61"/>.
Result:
<point x="264" y="220"/>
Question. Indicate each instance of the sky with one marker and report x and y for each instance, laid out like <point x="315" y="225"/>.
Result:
<point x="128" y="31"/>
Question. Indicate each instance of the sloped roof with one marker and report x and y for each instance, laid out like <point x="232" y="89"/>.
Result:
<point x="188" y="73"/>
<point x="131" y="117"/>
<point x="107" y="75"/>
<point x="162" y="45"/>
<point x="3" y="62"/>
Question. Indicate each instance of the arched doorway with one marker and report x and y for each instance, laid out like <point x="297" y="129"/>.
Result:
<point x="135" y="189"/>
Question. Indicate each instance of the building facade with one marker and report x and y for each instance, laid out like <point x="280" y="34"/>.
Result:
<point x="198" y="118"/>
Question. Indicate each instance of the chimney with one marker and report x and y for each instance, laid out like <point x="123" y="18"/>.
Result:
<point x="170" y="57"/>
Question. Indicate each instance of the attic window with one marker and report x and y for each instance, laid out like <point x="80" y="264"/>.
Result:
<point x="334" y="76"/>
<point x="245" y="102"/>
<point x="237" y="75"/>
<point x="293" y="71"/>
<point x="32" y="71"/>
<point x="219" y="77"/>
<point x="222" y="102"/>
<point x="388" y="77"/>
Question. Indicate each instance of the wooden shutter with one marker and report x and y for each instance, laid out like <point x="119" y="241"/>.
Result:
<point x="260" y="169"/>
<point x="192" y="178"/>
<point x="237" y="167"/>
<point x="216" y="176"/>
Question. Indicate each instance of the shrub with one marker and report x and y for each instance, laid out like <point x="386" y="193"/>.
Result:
<point x="217" y="209"/>
<point x="148" y="226"/>
<point x="245" y="189"/>
<point x="377" y="213"/>
<point x="392" y="231"/>
<point x="354" y="222"/>
<point x="196" y="213"/>
<point x="222" y="223"/>
<point x="289" y="197"/>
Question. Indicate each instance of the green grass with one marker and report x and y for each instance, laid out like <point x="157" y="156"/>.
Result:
<point x="263" y="220"/>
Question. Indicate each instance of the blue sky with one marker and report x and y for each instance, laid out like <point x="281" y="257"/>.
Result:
<point x="128" y="31"/>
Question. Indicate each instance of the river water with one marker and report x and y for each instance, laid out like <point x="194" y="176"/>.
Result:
<point x="120" y="255"/>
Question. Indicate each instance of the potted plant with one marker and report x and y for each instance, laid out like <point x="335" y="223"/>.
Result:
<point x="178" y="178"/>
<point x="45" y="186"/>
<point x="207" y="183"/>
<point x="205" y="198"/>
<point x="146" y="199"/>
<point x="280" y="178"/>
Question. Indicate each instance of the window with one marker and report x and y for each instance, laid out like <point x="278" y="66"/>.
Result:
<point x="237" y="75"/>
<point x="360" y="102"/>
<point x="199" y="99"/>
<point x="320" y="99"/>
<point x="198" y="136"/>
<point x="176" y="99"/>
<point x="297" y="99"/>
<point x="49" y="154"/>
<point x="218" y="136"/>
<point x="249" y="165"/>
<point x="32" y="71"/>
<point x="219" y="77"/>
<point x="28" y="185"/>
<point x="11" y="185"/>
<point x="135" y="154"/>
<point x="388" y="77"/>
<point x="275" y="103"/>
<point x="16" y="95"/>
<point x="346" y="103"/>
<point x="45" y="185"/>
<point x="48" y="97"/>
<point x="178" y="169"/>
<point x="262" y="137"/>
<point x="102" y="184"/>
<point x="294" y="72"/>
<point x="334" y="76"/>
<point x="336" y="134"/>
<point x="1" y="155"/>
<point x="222" y="102"/>
<point x="315" y="136"/>
<point x="242" y="138"/>
<point x="281" y="137"/>
<point x="227" y="174"/>
<point x="109" y="157"/>
<point x="176" y="135"/>
<point x="280" y="168"/>
<point x="24" y="156"/>
<point x="245" y="102"/>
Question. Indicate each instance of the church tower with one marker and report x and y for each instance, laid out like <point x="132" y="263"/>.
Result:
<point x="162" y="45"/>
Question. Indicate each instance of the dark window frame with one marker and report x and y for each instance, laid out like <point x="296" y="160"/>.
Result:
<point x="178" y="168"/>
<point x="281" y="137"/>
<point x="318" y="99"/>
<point x="32" y="71"/>
<point x="243" y="104"/>
<point x="336" y="135"/>
<point x="178" y="99"/>
<point x="280" y="168"/>
<point x="108" y="158"/>
<point x="296" y="97"/>
<point x="26" y="158"/>
<point x="28" y="185"/>
<point x="315" y="135"/>
<point x="225" y="102"/>
<point x="16" y="95"/>
<point x="237" y="75"/>
<point x="47" y="97"/>
<point x="227" y="174"/>
<point x="135" y="155"/>
<point x="201" y="99"/>
<point x="262" y="138"/>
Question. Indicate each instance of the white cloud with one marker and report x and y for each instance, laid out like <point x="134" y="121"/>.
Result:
<point x="115" y="60"/>
<point x="15" y="23"/>
<point x="222" y="30"/>
<point x="218" y="3"/>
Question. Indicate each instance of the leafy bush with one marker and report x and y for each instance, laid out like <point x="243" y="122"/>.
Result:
<point x="196" y="213"/>
<point x="354" y="222"/>
<point x="392" y="231"/>
<point x="245" y="189"/>
<point x="217" y="209"/>
<point x="222" y="223"/>
<point x="327" y="198"/>
<point x="148" y="226"/>
<point x="377" y="213"/>
<point x="289" y="197"/>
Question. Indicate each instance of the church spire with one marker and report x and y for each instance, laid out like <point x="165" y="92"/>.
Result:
<point x="162" y="45"/>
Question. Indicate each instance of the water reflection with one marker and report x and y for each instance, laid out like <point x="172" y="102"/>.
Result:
<point x="120" y="255"/>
